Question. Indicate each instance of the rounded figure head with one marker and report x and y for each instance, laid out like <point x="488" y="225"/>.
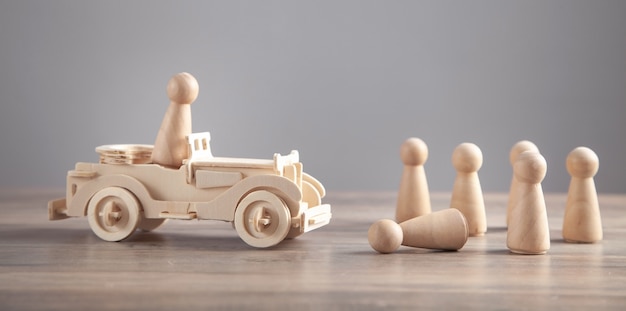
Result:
<point x="385" y="236"/>
<point x="582" y="162"/>
<point x="414" y="152"/>
<point x="519" y="147"/>
<point x="467" y="158"/>
<point x="530" y="167"/>
<point x="183" y="88"/>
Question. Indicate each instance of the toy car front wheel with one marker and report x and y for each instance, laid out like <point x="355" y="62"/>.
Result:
<point x="262" y="219"/>
<point x="113" y="213"/>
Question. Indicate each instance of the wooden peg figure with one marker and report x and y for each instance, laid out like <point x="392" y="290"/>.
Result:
<point x="443" y="230"/>
<point x="516" y="150"/>
<point x="582" y="222"/>
<point x="170" y="147"/>
<point x="467" y="195"/>
<point x="413" y="195"/>
<point x="528" y="231"/>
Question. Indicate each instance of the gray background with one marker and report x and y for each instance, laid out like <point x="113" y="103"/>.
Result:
<point x="344" y="82"/>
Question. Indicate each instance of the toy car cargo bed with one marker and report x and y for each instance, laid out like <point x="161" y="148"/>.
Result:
<point x="234" y="162"/>
<point x="277" y="163"/>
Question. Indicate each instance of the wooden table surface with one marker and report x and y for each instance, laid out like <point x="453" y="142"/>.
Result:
<point x="62" y="265"/>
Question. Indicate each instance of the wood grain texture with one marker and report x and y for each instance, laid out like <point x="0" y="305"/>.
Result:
<point x="413" y="196"/>
<point x="582" y="222"/>
<point x="528" y="227"/>
<point x="170" y="146"/>
<point x="187" y="265"/>
<point x="467" y="194"/>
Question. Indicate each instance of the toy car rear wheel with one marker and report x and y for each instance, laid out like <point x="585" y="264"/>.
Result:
<point x="113" y="213"/>
<point x="262" y="219"/>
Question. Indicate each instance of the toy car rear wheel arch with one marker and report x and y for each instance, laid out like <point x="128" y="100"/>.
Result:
<point x="262" y="219"/>
<point x="113" y="213"/>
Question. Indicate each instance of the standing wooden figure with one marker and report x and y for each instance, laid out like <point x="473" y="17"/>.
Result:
<point x="528" y="231"/>
<point x="170" y="147"/>
<point x="519" y="147"/>
<point x="413" y="195"/>
<point x="467" y="195"/>
<point x="582" y="222"/>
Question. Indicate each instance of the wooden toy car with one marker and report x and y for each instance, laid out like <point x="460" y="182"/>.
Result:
<point x="268" y="200"/>
<point x="140" y="186"/>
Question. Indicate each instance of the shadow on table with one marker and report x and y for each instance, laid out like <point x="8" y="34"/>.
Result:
<point x="496" y="229"/>
<point x="58" y="237"/>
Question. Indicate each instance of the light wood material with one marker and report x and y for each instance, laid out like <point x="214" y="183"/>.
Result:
<point x="445" y="230"/>
<point x="113" y="213"/>
<point x="201" y="265"/>
<point x="385" y="236"/>
<point x="170" y="146"/>
<point x="413" y="194"/>
<point x="467" y="195"/>
<point x="118" y="197"/>
<point x="528" y="231"/>
<point x="266" y="200"/>
<point x="582" y="222"/>
<point x="516" y="150"/>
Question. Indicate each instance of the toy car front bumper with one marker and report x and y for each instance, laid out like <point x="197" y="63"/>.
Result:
<point x="315" y="217"/>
